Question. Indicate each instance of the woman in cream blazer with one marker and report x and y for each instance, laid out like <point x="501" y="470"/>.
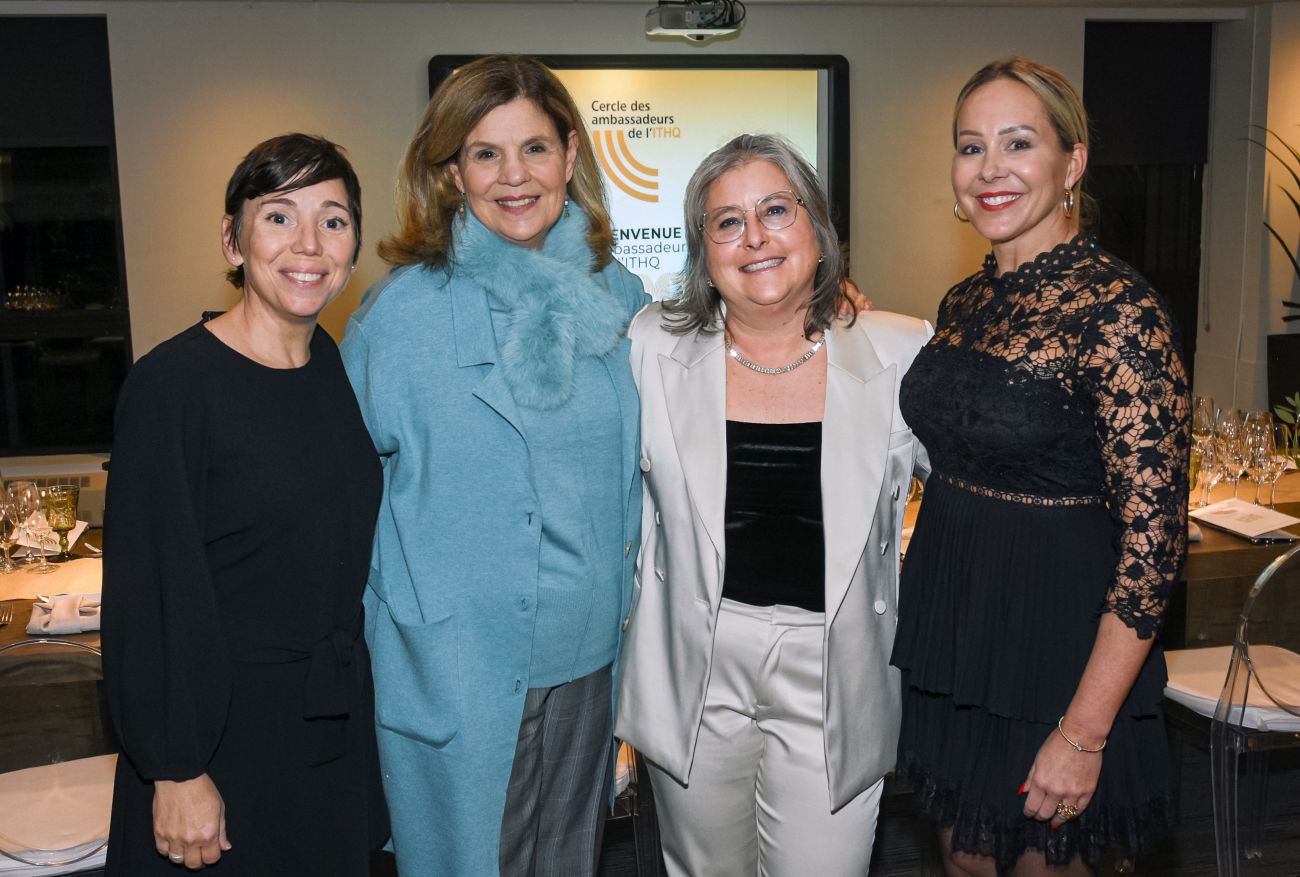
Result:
<point x="768" y="727"/>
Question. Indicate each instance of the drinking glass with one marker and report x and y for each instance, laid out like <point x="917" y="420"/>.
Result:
<point x="1203" y="419"/>
<point x="1211" y="470"/>
<point x="39" y="527"/>
<point x="26" y="497"/>
<point x="1233" y="457"/>
<point x="61" y="512"/>
<point x="1278" y="465"/>
<point x="9" y="530"/>
<point x="1257" y="420"/>
<point x="1194" y="471"/>
<point x="1259" y="447"/>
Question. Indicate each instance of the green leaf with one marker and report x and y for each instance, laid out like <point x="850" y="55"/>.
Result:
<point x="1283" y="414"/>
<point x="1292" y="198"/>
<point x="1285" y="248"/>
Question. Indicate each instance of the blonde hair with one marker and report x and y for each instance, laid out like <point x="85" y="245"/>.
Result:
<point x="427" y="197"/>
<point x="1059" y="97"/>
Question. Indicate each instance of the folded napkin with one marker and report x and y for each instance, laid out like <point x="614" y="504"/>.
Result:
<point x="66" y="613"/>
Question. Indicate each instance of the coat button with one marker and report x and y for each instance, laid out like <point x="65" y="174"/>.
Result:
<point x="658" y="520"/>
<point x="645" y="465"/>
<point x="884" y="546"/>
<point x="880" y="607"/>
<point x="896" y="491"/>
<point x="627" y="620"/>
<point x="519" y="683"/>
<point x="627" y="549"/>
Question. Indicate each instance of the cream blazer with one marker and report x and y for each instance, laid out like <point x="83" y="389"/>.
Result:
<point x="868" y="458"/>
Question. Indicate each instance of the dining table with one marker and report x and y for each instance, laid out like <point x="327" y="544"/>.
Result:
<point x="58" y="751"/>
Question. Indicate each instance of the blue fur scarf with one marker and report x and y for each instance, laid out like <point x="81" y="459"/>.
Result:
<point x="559" y="308"/>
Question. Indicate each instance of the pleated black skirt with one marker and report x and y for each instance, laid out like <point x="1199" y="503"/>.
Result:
<point x="998" y="612"/>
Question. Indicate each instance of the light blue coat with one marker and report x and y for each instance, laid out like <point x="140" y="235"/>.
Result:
<point x="452" y="594"/>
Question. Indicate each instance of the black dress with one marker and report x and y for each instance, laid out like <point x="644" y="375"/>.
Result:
<point x="1054" y="406"/>
<point x="241" y="504"/>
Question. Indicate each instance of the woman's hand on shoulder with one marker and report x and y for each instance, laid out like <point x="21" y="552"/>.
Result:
<point x="854" y="301"/>
<point x="189" y="821"/>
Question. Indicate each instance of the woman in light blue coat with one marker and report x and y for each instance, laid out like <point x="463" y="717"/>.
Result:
<point x="492" y="371"/>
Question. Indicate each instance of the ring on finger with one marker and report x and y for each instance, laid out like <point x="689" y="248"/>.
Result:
<point x="1065" y="812"/>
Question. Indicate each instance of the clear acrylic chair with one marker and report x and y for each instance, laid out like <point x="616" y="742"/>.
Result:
<point x="1253" y="709"/>
<point x="57" y="758"/>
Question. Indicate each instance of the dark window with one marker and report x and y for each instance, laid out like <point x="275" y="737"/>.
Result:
<point x="65" y="338"/>
<point x="1147" y="89"/>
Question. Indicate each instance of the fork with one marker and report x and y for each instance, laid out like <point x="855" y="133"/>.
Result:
<point x="6" y="614"/>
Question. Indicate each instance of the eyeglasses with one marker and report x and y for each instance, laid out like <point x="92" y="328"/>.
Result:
<point x="775" y="211"/>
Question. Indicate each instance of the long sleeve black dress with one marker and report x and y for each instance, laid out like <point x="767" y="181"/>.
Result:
<point x="1054" y="406"/>
<point x="241" y="504"/>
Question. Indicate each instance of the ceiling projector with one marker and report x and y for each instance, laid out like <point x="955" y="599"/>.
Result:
<point x="696" y="21"/>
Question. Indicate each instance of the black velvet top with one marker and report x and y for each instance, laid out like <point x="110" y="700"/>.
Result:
<point x="775" y="542"/>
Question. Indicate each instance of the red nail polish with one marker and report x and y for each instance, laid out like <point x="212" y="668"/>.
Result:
<point x="1024" y="787"/>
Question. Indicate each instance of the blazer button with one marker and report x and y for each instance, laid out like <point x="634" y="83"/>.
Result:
<point x="627" y="549"/>
<point x="658" y="520"/>
<point x="880" y="607"/>
<point x="645" y="465"/>
<point x="896" y="491"/>
<point x="627" y="620"/>
<point x="884" y="546"/>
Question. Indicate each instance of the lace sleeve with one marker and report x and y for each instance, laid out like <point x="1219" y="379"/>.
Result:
<point x="1131" y="364"/>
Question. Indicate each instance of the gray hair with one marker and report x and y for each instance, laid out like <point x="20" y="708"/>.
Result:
<point x="698" y="306"/>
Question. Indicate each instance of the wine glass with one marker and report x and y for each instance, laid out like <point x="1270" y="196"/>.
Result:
<point x="1279" y="463"/>
<point x="1211" y="469"/>
<point x="39" y="527"/>
<point x="9" y="530"/>
<point x="26" y="497"/>
<point x="1259" y="446"/>
<point x="1233" y="457"/>
<point x="61" y="512"/>
<point x="1203" y="419"/>
<point x="1194" y="470"/>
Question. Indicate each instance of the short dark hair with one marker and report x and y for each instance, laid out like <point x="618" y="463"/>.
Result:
<point x="285" y="164"/>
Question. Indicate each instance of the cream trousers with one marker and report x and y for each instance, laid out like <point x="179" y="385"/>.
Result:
<point x="758" y="802"/>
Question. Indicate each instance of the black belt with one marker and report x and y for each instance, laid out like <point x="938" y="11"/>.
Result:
<point x="330" y="689"/>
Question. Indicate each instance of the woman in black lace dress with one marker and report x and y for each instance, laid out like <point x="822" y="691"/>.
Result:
<point x="1054" y="405"/>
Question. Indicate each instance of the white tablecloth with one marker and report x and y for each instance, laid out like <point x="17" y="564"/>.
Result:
<point x="84" y="575"/>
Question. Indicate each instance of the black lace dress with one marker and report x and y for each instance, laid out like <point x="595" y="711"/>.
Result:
<point x="1054" y="406"/>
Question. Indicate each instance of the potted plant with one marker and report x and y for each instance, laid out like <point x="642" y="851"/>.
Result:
<point x="1284" y="348"/>
<point x="1289" y="413"/>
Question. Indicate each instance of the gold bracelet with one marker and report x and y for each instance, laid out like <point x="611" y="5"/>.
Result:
<point x="1077" y="746"/>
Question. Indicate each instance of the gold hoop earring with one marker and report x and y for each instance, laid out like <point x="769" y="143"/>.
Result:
<point x="956" y="213"/>
<point x="1068" y="204"/>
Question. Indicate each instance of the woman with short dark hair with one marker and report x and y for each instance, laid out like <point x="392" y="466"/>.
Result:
<point x="239" y="517"/>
